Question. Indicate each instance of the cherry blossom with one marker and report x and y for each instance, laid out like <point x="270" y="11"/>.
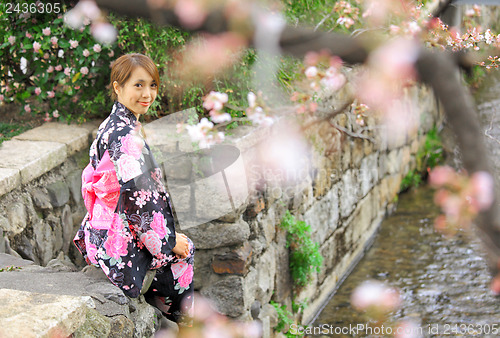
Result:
<point x="67" y="71"/>
<point x="46" y="31"/>
<point x="27" y="108"/>
<point x="51" y="94"/>
<point x="104" y="32"/>
<point x="38" y="90"/>
<point x="215" y="100"/>
<point x="53" y="40"/>
<point x="190" y="12"/>
<point x="12" y="39"/>
<point x="375" y="295"/>
<point x="97" y="48"/>
<point x="86" y="53"/>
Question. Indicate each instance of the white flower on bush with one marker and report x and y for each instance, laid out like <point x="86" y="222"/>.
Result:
<point x="97" y="48"/>
<point x="36" y="46"/>
<point x="46" y="31"/>
<point x="215" y="100"/>
<point x="73" y="43"/>
<point x="84" y="70"/>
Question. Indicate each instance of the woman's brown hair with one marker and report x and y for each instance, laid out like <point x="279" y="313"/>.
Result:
<point x="125" y="64"/>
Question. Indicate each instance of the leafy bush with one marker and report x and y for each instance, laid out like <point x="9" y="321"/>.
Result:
<point x="305" y="257"/>
<point x="49" y="67"/>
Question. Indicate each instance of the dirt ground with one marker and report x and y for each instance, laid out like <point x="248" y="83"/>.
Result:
<point x="11" y="113"/>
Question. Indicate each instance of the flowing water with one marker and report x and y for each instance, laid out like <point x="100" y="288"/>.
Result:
<point x="443" y="281"/>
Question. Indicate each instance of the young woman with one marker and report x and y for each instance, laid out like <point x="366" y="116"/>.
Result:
<point x="129" y="230"/>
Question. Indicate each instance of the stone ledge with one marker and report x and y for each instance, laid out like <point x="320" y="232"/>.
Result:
<point x="28" y="314"/>
<point x="9" y="180"/>
<point x="74" y="137"/>
<point x="31" y="158"/>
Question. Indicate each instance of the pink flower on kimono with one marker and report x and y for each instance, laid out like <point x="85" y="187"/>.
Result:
<point x="128" y="167"/>
<point x="158" y="225"/>
<point x="152" y="242"/>
<point x="116" y="245"/>
<point x="187" y="277"/>
<point x="116" y="224"/>
<point x="132" y="146"/>
<point x="91" y="252"/>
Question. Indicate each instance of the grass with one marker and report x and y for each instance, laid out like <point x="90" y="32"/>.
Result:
<point x="8" y="131"/>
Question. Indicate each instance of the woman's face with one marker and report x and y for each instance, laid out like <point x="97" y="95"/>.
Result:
<point x="138" y="93"/>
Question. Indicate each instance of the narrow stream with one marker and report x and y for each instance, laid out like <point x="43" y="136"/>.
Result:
<point x="444" y="282"/>
<point x="441" y="280"/>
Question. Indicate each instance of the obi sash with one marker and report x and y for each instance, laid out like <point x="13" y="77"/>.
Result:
<point x="100" y="191"/>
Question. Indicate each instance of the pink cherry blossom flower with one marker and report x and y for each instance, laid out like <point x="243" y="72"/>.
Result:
<point x="482" y="187"/>
<point x="12" y="39"/>
<point x="47" y="117"/>
<point x="67" y="71"/>
<point x="111" y="53"/>
<point x="215" y="100"/>
<point x="86" y="53"/>
<point x="38" y="90"/>
<point x="441" y="175"/>
<point x="28" y="35"/>
<point x="46" y="56"/>
<point x="55" y="113"/>
<point x="54" y="40"/>
<point x="46" y="31"/>
<point x="97" y="48"/>
<point x="375" y="294"/>
<point x="51" y="94"/>
<point x="36" y="46"/>
<point x="218" y="117"/>
<point x="84" y="70"/>
<point x="50" y="69"/>
<point x="104" y="32"/>
<point x="190" y="12"/>
<point x="311" y="72"/>
<point x="58" y="68"/>
<point x="73" y="43"/>
<point x="27" y="108"/>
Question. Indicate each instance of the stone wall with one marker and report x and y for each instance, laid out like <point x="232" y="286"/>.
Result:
<point x="241" y="260"/>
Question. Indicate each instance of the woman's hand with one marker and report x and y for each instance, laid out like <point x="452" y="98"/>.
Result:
<point x="181" y="249"/>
